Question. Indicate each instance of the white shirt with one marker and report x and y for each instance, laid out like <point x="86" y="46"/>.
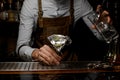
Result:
<point x="51" y="9"/>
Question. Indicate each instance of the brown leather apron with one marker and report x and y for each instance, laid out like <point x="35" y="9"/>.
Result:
<point x="52" y="26"/>
<point x="49" y="26"/>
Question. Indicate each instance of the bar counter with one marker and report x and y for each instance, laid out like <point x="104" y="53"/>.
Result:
<point x="63" y="68"/>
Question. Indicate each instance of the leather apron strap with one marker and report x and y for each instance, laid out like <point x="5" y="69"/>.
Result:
<point x="40" y="12"/>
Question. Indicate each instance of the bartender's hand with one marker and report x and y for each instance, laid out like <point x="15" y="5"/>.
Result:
<point x="46" y="55"/>
<point x="103" y="14"/>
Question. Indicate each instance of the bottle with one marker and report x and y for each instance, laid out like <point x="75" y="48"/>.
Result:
<point x="3" y="13"/>
<point x="12" y="13"/>
<point x="113" y="55"/>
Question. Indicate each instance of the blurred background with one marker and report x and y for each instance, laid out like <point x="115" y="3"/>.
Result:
<point x="9" y="22"/>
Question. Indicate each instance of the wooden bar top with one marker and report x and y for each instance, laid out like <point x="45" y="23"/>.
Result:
<point x="63" y="68"/>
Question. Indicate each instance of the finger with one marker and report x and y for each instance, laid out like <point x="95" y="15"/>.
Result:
<point x="52" y="59"/>
<point x="108" y="19"/>
<point x="99" y="8"/>
<point x="93" y="27"/>
<point x="105" y="12"/>
<point x="49" y="55"/>
<point x="42" y="59"/>
<point x="43" y="55"/>
<point x="53" y="53"/>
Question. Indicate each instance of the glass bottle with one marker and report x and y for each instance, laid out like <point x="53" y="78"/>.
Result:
<point x="12" y="13"/>
<point x="3" y="13"/>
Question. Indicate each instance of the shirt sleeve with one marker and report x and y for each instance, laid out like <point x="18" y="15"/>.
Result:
<point x="23" y="48"/>
<point x="81" y="8"/>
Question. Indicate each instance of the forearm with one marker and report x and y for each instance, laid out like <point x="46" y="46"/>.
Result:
<point x="23" y="48"/>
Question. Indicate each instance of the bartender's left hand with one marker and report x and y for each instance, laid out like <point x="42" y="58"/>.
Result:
<point x="104" y="15"/>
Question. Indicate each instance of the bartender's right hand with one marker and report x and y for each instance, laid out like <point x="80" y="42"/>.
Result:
<point x="46" y="55"/>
